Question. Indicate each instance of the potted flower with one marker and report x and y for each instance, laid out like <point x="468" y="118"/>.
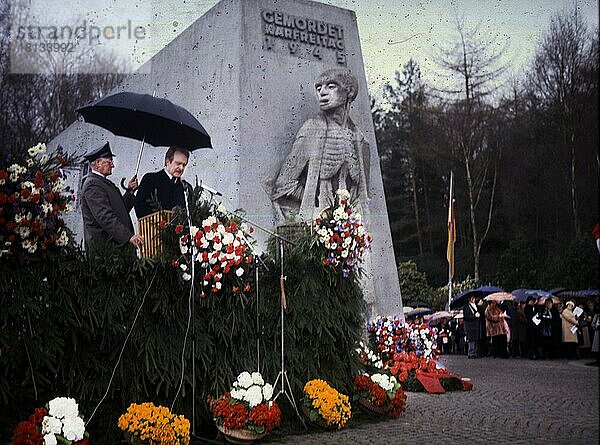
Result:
<point x="324" y="406"/>
<point x="58" y="422"/>
<point x="246" y="412"/>
<point x="379" y="394"/>
<point x="147" y="423"/>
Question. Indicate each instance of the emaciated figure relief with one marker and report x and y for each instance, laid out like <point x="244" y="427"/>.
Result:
<point x="329" y="153"/>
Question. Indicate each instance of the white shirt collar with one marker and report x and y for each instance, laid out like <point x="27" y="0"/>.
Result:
<point x="98" y="173"/>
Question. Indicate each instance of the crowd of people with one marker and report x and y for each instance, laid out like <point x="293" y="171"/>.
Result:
<point x="551" y="330"/>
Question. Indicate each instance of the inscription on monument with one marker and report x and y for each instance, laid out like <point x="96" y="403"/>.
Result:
<point x="303" y="37"/>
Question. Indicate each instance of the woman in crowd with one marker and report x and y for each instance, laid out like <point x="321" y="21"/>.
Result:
<point x="496" y="329"/>
<point x="569" y="333"/>
<point x="550" y="329"/>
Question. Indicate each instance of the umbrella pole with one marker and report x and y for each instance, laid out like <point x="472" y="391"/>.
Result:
<point x="139" y="159"/>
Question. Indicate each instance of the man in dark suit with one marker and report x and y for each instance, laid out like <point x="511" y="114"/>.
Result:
<point x="164" y="189"/>
<point x="105" y="211"/>
<point x="471" y="317"/>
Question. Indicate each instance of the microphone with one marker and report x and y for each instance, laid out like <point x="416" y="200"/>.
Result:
<point x="209" y="189"/>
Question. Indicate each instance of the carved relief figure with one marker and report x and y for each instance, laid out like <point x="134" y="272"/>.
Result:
<point x="328" y="153"/>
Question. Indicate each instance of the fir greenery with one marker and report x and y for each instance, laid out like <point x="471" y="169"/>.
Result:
<point x="64" y="317"/>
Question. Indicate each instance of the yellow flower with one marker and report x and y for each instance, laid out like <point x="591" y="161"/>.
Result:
<point x="331" y="405"/>
<point x="155" y="424"/>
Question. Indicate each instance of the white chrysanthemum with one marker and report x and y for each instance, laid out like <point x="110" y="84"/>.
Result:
<point x="267" y="391"/>
<point x="186" y="276"/>
<point x="340" y="214"/>
<point x="217" y="246"/>
<point x="193" y="230"/>
<point x="183" y="267"/>
<point x="46" y="208"/>
<point x="58" y="185"/>
<point x="343" y="194"/>
<point x="183" y="248"/>
<point x="49" y="439"/>
<point x="209" y="221"/>
<point x="245" y="379"/>
<point x="254" y="396"/>
<point x="218" y="285"/>
<point x="73" y="428"/>
<point x="63" y="239"/>
<point x="228" y="238"/>
<point x="239" y="272"/>
<point x="62" y="407"/>
<point x="238" y="394"/>
<point x="257" y="379"/>
<point x="52" y="425"/>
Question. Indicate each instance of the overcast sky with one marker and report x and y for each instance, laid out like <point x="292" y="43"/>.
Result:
<point x="391" y="31"/>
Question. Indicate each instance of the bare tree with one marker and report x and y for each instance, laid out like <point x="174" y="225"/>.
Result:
<point x="564" y="60"/>
<point x="475" y="66"/>
<point x="40" y="90"/>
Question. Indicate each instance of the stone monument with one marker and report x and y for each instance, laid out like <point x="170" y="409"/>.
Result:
<point x="260" y="76"/>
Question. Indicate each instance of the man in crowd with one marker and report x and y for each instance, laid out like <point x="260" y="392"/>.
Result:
<point x="105" y="211"/>
<point x="164" y="189"/>
<point x="471" y="317"/>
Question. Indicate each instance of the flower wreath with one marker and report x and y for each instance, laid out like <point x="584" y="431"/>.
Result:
<point x="382" y="391"/>
<point x="155" y="424"/>
<point x="248" y="405"/>
<point x="33" y="199"/>
<point x="58" y="422"/>
<point x="327" y="404"/>
<point x="343" y="235"/>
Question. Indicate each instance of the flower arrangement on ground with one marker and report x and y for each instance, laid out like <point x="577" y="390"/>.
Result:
<point x="58" y="423"/>
<point x="247" y="406"/>
<point x="33" y="199"/>
<point x="380" y="391"/>
<point x="219" y="246"/>
<point x="342" y="233"/>
<point x="405" y="365"/>
<point x="369" y="358"/>
<point x="147" y="423"/>
<point x="388" y="336"/>
<point x="324" y="403"/>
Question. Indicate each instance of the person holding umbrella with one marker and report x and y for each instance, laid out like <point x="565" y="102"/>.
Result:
<point x="471" y="317"/>
<point x="496" y="329"/>
<point x="105" y="211"/>
<point x="164" y="188"/>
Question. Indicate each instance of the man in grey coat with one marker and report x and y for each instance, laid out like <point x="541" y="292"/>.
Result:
<point x="105" y="211"/>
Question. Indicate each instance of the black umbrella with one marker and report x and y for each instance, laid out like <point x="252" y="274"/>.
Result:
<point x="418" y="312"/>
<point x="462" y="298"/>
<point x="150" y="119"/>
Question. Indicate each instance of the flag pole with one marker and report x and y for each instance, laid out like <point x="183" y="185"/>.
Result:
<point x="451" y="238"/>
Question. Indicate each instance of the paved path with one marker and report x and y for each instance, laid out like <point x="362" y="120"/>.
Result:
<point x="515" y="401"/>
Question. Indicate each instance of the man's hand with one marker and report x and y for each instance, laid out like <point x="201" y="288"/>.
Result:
<point x="137" y="240"/>
<point x="132" y="185"/>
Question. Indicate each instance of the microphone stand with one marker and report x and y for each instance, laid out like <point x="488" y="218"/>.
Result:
<point x="282" y="377"/>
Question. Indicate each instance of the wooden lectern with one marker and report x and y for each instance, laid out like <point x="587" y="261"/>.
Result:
<point x="148" y="227"/>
